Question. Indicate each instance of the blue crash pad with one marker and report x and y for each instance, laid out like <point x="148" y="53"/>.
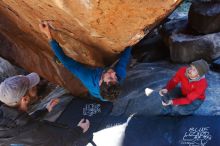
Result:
<point x="173" y="131"/>
<point x="94" y="111"/>
<point x="144" y="130"/>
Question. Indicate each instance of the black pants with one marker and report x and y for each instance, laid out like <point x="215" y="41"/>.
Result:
<point x="176" y="110"/>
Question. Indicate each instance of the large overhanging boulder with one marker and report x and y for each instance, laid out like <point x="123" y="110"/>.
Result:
<point x="93" y="32"/>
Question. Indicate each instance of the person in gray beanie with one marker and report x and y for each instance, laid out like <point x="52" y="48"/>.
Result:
<point x="186" y="98"/>
<point x="20" y="128"/>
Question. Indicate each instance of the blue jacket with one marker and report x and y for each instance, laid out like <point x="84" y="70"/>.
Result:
<point x="90" y="77"/>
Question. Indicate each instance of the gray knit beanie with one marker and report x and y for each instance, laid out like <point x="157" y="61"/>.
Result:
<point x="201" y="66"/>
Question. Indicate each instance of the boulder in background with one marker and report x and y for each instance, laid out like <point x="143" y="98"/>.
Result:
<point x="204" y="17"/>
<point x="187" y="48"/>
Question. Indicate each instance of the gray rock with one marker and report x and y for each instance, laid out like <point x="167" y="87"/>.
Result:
<point x="151" y="48"/>
<point x="171" y="27"/>
<point x="6" y="69"/>
<point x="187" y="48"/>
<point x="204" y="17"/>
<point x="181" y="11"/>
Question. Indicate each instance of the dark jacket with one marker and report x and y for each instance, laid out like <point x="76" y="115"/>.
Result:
<point x="18" y="127"/>
<point x="90" y="77"/>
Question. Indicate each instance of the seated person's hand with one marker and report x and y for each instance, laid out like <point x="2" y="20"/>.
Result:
<point x="163" y="91"/>
<point x="84" y="124"/>
<point x="170" y="102"/>
<point x="52" y="104"/>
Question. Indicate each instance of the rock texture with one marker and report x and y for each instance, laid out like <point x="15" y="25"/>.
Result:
<point x="204" y="17"/>
<point x="93" y="32"/>
<point x="151" y="48"/>
<point x="171" y="27"/>
<point x="186" y="45"/>
<point x="187" y="48"/>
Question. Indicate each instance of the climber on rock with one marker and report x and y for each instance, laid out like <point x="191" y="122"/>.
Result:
<point x="103" y="84"/>
<point x="186" y="98"/>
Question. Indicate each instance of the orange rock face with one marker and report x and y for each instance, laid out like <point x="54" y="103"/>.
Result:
<point x="93" y="32"/>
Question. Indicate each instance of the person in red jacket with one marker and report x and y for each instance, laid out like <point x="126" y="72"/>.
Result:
<point x="186" y="98"/>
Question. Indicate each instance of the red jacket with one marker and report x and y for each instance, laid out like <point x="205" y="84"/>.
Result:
<point x="190" y="90"/>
